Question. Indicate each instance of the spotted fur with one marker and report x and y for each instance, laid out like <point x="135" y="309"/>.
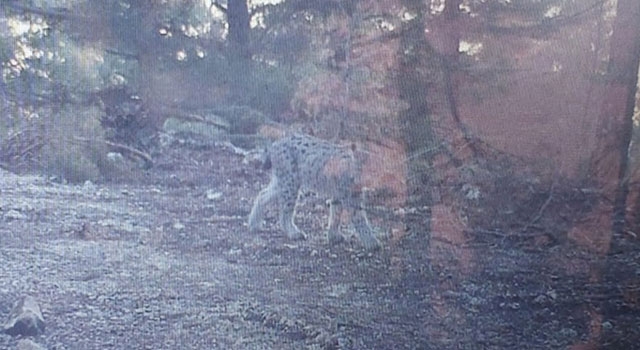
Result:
<point x="301" y="162"/>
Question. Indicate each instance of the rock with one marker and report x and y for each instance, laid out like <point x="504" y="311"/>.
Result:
<point x="237" y="124"/>
<point x="540" y="299"/>
<point x="115" y="157"/>
<point x="89" y="187"/>
<point x="197" y="129"/>
<point x="25" y="318"/>
<point x="28" y="344"/>
<point x="213" y="195"/>
<point x="178" y="226"/>
<point x="471" y="192"/>
<point x="14" y="215"/>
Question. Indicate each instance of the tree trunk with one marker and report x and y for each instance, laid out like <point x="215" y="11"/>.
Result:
<point x="443" y="223"/>
<point x="601" y="230"/>
<point x="620" y="102"/>
<point x="620" y="276"/>
<point x="412" y="85"/>
<point x="451" y="44"/>
<point x="238" y="20"/>
<point x="609" y="160"/>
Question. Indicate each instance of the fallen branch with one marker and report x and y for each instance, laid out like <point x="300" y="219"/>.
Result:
<point x="122" y="148"/>
<point x="221" y="218"/>
<point x="21" y="146"/>
<point x="54" y="12"/>
<point x="542" y="209"/>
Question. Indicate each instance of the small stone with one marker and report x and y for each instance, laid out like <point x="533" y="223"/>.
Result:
<point x="115" y="157"/>
<point x="471" y="192"/>
<point x="475" y="301"/>
<point x="233" y="255"/>
<point x="213" y="195"/>
<point x="25" y="318"/>
<point x="178" y="226"/>
<point x="14" y="215"/>
<point x="540" y="299"/>
<point x="569" y="333"/>
<point x="28" y="344"/>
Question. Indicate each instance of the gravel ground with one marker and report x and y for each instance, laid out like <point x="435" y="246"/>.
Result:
<point x="165" y="261"/>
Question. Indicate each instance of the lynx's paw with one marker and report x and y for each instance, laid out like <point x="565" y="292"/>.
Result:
<point x="296" y="234"/>
<point x="335" y="238"/>
<point x="255" y="224"/>
<point x="371" y="244"/>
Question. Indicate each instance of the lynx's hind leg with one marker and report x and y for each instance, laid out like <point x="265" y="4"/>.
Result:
<point x="364" y="230"/>
<point x="287" y="202"/>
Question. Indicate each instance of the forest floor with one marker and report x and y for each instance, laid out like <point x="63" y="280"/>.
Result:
<point x="165" y="261"/>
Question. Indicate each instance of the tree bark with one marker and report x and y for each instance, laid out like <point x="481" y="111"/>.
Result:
<point x="601" y="230"/>
<point x="609" y="160"/>
<point x="620" y="102"/>
<point x="451" y="66"/>
<point x="412" y="85"/>
<point x="620" y="275"/>
<point x="238" y="20"/>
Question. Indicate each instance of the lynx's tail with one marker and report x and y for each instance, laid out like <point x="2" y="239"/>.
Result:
<point x="266" y="164"/>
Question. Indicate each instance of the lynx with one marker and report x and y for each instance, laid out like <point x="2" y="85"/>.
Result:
<point x="301" y="162"/>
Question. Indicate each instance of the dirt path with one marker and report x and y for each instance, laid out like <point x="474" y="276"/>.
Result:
<point x="166" y="262"/>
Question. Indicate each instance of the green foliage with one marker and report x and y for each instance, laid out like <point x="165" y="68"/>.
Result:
<point x="74" y="147"/>
<point x="48" y="66"/>
<point x="264" y="87"/>
<point x="72" y="166"/>
<point x="6" y="47"/>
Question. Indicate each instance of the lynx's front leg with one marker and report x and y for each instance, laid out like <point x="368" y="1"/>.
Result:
<point x="264" y="198"/>
<point x="287" y="203"/>
<point x="333" y="231"/>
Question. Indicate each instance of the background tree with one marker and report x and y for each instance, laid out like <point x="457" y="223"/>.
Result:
<point x="238" y="20"/>
<point x="611" y="169"/>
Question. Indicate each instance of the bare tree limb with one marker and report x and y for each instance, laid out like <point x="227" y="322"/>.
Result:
<point x="127" y="55"/>
<point x="218" y="6"/>
<point x="122" y="148"/>
<point x="546" y="27"/>
<point x="58" y="13"/>
<point x="541" y="210"/>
